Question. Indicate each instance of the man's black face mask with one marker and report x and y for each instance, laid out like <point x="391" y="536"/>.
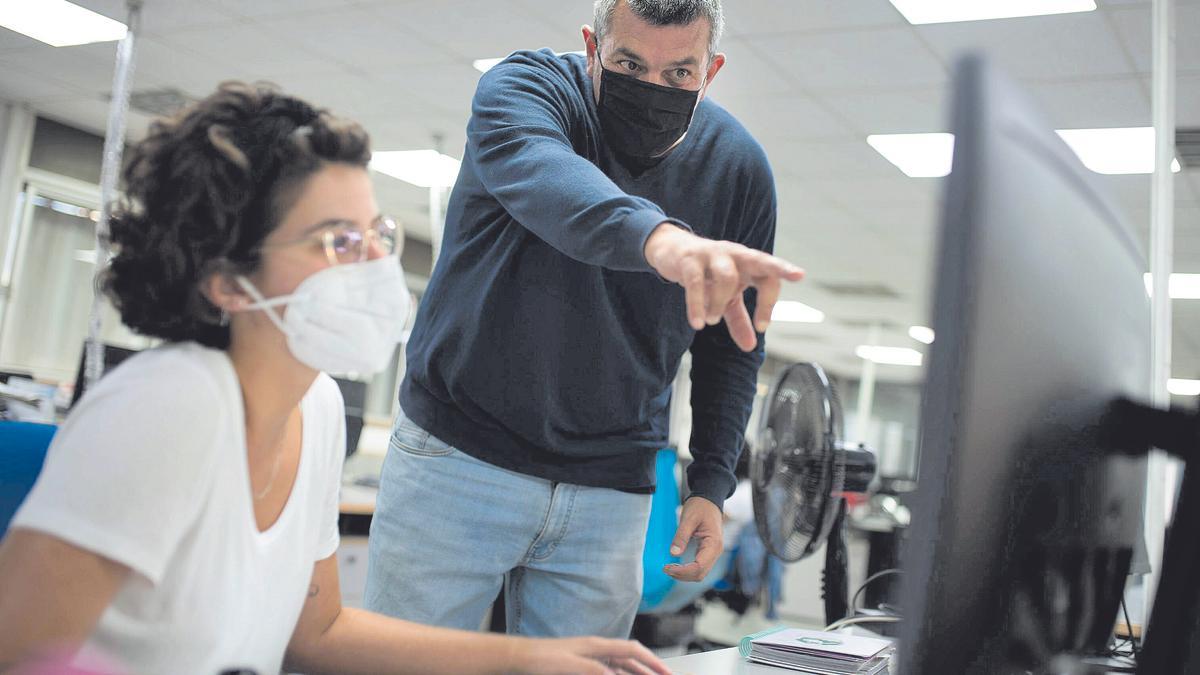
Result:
<point x="641" y="119"/>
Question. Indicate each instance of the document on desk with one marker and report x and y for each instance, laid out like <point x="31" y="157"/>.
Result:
<point x="819" y="652"/>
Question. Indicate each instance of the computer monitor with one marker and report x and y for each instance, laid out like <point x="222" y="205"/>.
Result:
<point x="113" y="356"/>
<point x="354" y="392"/>
<point x="1022" y="527"/>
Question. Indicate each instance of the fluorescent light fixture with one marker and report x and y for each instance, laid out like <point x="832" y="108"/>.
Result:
<point x="917" y="155"/>
<point x="796" y="312"/>
<point x="59" y="23"/>
<point x="1115" y="151"/>
<point x="423" y="168"/>
<point x="921" y="334"/>
<point x="946" y="11"/>
<point x="1183" y="387"/>
<point x="484" y="65"/>
<point x="1121" y="150"/>
<point x="1179" y="286"/>
<point x="891" y="356"/>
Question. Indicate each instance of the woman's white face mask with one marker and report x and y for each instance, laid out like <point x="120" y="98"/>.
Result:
<point x="345" y="319"/>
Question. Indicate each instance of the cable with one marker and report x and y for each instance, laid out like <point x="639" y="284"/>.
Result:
<point x="849" y="621"/>
<point x="873" y="577"/>
<point x="1129" y="628"/>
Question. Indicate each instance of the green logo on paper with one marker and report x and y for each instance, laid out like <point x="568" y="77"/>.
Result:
<point x="818" y="641"/>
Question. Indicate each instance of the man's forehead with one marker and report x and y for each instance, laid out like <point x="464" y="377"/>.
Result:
<point x="673" y="43"/>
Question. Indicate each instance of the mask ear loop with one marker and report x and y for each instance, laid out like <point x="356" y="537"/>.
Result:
<point x="261" y="303"/>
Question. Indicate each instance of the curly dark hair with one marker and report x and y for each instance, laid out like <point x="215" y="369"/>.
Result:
<point x="201" y="193"/>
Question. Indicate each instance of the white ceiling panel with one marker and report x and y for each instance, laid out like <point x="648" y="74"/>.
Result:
<point x="476" y="29"/>
<point x="765" y="17"/>
<point x="786" y="117"/>
<point x="249" y="50"/>
<point x="1134" y="27"/>
<point x="1119" y="102"/>
<point x="884" y="58"/>
<point x="164" y="16"/>
<point x="1037" y="48"/>
<point x="746" y="74"/>
<point x="891" y="112"/>
<point x="19" y="85"/>
<point x="849" y="159"/>
<point x="361" y="38"/>
<point x="85" y="68"/>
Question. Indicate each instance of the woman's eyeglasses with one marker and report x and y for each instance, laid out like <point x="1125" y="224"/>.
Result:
<point x="343" y="242"/>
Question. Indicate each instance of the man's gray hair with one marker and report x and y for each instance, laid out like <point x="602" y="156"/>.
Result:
<point x="666" y="13"/>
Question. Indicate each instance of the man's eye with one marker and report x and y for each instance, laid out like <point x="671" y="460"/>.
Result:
<point x="631" y="66"/>
<point x="682" y="74"/>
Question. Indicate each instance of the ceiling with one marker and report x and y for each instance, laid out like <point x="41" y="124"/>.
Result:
<point x="810" y="82"/>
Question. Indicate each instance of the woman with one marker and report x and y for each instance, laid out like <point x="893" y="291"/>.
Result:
<point x="186" y="518"/>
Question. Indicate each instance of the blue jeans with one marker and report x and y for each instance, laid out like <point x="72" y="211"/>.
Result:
<point x="449" y="529"/>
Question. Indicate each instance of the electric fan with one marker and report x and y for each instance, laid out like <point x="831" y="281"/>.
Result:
<point x="800" y="471"/>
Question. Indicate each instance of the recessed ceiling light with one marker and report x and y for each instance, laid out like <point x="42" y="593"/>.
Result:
<point x="921" y="334"/>
<point x="1183" y="387"/>
<point x="423" y="168"/>
<point x="946" y="11"/>
<point x="917" y="155"/>
<point x="484" y="65"/>
<point x="798" y="312"/>
<point x="59" y="23"/>
<point x="892" y="356"/>
<point x="1179" y="286"/>
<point x="1121" y="150"/>
<point x="1115" y="151"/>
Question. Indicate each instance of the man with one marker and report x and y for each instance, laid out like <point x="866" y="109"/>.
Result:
<point x="606" y="219"/>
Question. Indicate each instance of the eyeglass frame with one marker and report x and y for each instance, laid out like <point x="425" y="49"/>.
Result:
<point x="327" y="233"/>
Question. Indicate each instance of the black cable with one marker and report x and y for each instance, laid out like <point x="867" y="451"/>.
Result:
<point x="873" y="577"/>
<point x="1129" y="628"/>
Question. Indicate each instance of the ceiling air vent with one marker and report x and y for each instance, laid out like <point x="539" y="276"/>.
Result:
<point x="1187" y="147"/>
<point x="161" y="102"/>
<point x="860" y="291"/>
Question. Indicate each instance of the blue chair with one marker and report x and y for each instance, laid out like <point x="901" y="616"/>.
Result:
<point x="662" y="594"/>
<point x="23" y="448"/>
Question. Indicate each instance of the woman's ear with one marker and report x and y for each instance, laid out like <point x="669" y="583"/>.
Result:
<point x="221" y="289"/>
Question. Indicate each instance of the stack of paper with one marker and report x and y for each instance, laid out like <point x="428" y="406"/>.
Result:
<point x="818" y="652"/>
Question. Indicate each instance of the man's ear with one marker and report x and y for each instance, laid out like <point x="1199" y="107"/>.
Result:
<point x="714" y="67"/>
<point x="589" y="46"/>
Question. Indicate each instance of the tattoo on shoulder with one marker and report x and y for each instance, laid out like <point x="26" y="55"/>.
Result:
<point x="313" y="589"/>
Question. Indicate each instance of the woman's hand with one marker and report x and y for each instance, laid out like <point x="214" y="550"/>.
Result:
<point x="585" y="656"/>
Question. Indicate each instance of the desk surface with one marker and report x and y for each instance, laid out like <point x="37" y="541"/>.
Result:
<point x="720" y="662"/>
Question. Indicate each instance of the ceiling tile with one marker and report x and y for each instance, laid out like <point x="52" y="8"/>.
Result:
<point x="763" y="17"/>
<point x="1134" y="27"/>
<point x="1038" y="48"/>
<point x="885" y="58"/>
<point x="164" y="16"/>
<point x="746" y="74"/>
<point x="1118" y="102"/>
<point x="891" y="112"/>
<point x="475" y="29"/>
<point x="785" y="117"/>
<point x="361" y="38"/>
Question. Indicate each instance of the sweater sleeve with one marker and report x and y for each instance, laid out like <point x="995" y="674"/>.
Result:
<point x="724" y="377"/>
<point x="520" y="140"/>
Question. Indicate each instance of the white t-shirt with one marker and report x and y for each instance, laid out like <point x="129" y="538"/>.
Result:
<point x="150" y="471"/>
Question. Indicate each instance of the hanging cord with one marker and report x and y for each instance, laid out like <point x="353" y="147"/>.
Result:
<point x="110" y="171"/>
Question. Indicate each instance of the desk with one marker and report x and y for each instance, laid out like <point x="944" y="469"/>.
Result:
<point x="720" y="662"/>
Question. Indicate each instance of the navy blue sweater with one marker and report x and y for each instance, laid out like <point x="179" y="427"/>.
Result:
<point x="545" y="344"/>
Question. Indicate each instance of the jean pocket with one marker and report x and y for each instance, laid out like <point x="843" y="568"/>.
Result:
<point x="412" y="439"/>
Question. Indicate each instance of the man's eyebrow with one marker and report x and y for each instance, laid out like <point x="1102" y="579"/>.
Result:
<point x="630" y="53"/>
<point x="689" y="61"/>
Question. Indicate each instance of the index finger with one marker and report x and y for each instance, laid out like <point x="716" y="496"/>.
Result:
<point x="768" y="295"/>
